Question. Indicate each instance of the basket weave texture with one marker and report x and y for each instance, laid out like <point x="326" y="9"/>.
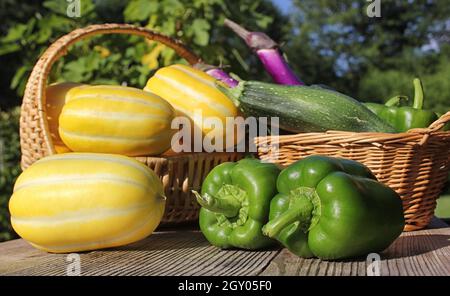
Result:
<point x="179" y="173"/>
<point x="415" y="164"/>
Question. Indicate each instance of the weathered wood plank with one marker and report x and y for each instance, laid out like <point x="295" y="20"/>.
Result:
<point x="165" y="253"/>
<point x="18" y="254"/>
<point x="424" y="252"/>
<point x="186" y="252"/>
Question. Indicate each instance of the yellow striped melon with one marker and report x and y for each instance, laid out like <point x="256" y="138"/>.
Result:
<point x="187" y="90"/>
<point x="84" y="201"/>
<point x="116" y="119"/>
<point x="55" y="98"/>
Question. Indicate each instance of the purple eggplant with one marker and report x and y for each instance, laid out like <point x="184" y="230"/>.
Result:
<point x="217" y="73"/>
<point x="268" y="53"/>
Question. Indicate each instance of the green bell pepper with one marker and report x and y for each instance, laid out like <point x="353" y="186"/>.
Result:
<point x="333" y="209"/>
<point x="404" y="118"/>
<point x="235" y="203"/>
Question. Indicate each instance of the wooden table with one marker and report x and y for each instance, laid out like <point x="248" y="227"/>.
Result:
<point x="186" y="252"/>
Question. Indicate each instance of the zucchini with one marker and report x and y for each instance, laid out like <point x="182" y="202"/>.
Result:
<point x="305" y="108"/>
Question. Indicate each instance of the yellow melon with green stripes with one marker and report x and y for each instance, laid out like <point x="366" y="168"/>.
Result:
<point x="190" y="90"/>
<point x="116" y="119"/>
<point x="84" y="201"/>
<point x="55" y="97"/>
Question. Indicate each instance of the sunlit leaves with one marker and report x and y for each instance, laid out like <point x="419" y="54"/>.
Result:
<point x="139" y="10"/>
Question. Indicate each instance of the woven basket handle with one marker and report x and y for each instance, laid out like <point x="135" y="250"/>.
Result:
<point x="33" y="106"/>
<point x="438" y="124"/>
<point x="434" y="127"/>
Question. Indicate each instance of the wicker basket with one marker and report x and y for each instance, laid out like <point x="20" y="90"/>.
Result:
<point x="179" y="173"/>
<point x="415" y="164"/>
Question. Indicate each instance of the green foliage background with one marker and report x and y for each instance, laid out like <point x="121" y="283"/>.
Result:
<point x="373" y="59"/>
<point x="329" y="42"/>
<point x="9" y="165"/>
<point x="117" y="59"/>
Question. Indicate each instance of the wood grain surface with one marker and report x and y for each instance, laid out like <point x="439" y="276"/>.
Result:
<point x="186" y="252"/>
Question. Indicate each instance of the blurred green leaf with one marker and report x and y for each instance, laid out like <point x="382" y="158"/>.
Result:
<point x="168" y="27"/>
<point x="20" y="73"/>
<point x="15" y="33"/>
<point x="104" y="81"/>
<point x="9" y="48"/>
<point x="200" y="29"/>
<point x="264" y="20"/>
<point x="75" y="71"/>
<point x="44" y="34"/>
<point x="139" y="10"/>
<point x="172" y="7"/>
<point x="57" y="6"/>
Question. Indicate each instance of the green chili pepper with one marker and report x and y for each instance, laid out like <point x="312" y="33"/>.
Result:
<point x="404" y="118"/>
<point x="235" y="203"/>
<point x="333" y="209"/>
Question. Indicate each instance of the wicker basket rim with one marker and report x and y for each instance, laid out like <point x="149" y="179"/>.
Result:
<point x="419" y="135"/>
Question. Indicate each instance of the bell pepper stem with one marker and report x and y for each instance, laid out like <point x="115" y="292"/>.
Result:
<point x="301" y="211"/>
<point x="418" y="94"/>
<point x="394" y="101"/>
<point x="227" y="205"/>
